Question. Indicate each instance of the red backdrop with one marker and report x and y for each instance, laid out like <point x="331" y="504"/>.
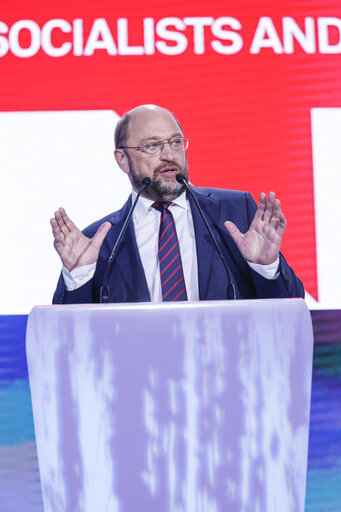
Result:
<point x="247" y="114"/>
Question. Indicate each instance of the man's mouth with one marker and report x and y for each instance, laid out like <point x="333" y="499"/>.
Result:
<point x="169" y="171"/>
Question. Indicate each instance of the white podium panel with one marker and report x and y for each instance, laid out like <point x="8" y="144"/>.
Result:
<point x="187" y="407"/>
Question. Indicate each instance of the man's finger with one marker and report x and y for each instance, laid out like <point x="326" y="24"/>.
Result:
<point x="58" y="215"/>
<point x="269" y="207"/>
<point x="276" y="212"/>
<point x="101" y="233"/>
<point x="55" y="230"/>
<point x="66" y="220"/>
<point x="282" y="224"/>
<point x="261" y="207"/>
<point x="54" y="226"/>
<point x="234" y="232"/>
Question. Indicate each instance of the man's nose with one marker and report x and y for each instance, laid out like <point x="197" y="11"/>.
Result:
<point x="167" y="152"/>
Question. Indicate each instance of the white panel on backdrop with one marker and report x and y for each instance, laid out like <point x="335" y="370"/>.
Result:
<point x="47" y="160"/>
<point x="326" y="138"/>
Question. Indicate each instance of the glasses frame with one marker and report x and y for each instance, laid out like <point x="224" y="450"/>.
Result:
<point x="161" y="146"/>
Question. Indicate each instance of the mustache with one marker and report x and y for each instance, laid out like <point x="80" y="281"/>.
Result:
<point x="168" y="163"/>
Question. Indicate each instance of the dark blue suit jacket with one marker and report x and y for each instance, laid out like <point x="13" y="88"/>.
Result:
<point x="128" y="283"/>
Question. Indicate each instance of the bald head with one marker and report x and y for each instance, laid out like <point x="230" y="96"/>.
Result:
<point x="136" y="118"/>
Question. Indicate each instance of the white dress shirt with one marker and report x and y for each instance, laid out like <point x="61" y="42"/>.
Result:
<point x="146" y="220"/>
<point x="147" y="224"/>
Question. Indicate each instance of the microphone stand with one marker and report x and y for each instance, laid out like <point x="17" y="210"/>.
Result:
<point x="231" y="292"/>
<point x="105" y="291"/>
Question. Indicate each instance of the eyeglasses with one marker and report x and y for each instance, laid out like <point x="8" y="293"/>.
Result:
<point x="155" y="147"/>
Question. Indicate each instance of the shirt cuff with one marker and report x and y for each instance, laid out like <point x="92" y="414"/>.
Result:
<point x="78" y="276"/>
<point x="268" y="271"/>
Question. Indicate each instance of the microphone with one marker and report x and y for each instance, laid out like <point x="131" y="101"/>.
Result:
<point x="105" y="291"/>
<point x="231" y="292"/>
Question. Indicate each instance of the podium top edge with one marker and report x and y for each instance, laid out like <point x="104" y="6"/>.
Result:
<point x="207" y="304"/>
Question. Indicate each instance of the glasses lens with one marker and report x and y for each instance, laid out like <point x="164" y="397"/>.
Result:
<point x="176" y="143"/>
<point x="153" y="148"/>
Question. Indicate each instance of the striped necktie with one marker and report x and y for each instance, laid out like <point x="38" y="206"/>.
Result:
<point x="171" y="273"/>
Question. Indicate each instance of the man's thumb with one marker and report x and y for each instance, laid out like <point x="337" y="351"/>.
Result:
<point x="101" y="233"/>
<point x="234" y="232"/>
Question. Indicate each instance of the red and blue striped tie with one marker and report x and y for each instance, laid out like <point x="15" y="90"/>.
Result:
<point x="171" y="273"/>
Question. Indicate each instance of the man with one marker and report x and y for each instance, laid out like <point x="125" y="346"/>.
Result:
<point x="149" y="143"/>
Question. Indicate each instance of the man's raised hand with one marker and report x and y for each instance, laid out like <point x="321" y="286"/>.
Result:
<point x="74" y="248"/>
<point x="261" y="243"/>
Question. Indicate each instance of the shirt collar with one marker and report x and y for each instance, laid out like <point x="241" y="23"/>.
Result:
<point x="144" y="204"/>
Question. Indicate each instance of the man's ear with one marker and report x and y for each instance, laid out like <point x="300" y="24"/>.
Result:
<point x="122" y="160"/>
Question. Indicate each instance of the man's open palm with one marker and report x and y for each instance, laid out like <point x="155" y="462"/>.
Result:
<point x="74" y="248"/>
<point x="261" y="243"/>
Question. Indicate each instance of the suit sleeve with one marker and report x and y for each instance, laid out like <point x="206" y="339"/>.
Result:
<point x="82" y="295"/>
<point x="287" y="284"/>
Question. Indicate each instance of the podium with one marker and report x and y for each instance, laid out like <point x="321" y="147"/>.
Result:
<point x="180" y="407"/>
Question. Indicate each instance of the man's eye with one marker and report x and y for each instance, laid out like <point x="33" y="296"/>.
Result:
<point x="176" y="142"/>
<point x="152" y="145"/>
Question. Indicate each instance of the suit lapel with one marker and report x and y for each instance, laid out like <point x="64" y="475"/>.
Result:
<point x="128" y="278"/>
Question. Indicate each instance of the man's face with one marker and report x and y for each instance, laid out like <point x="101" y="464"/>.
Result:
<point x="153" y="125"/>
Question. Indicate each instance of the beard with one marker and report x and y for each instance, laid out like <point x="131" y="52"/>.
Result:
<point x="159" y="190"/>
